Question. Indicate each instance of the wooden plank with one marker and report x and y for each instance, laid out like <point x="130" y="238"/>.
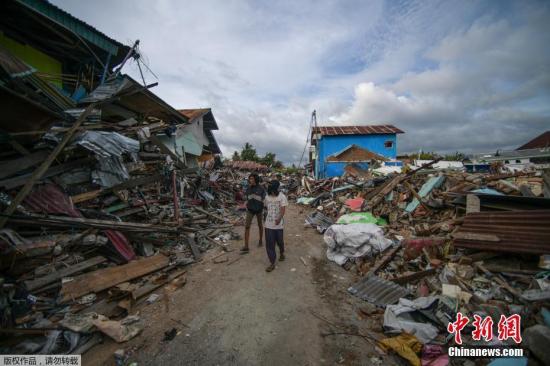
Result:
<point x="381" y="263"/>
<point x="98" y="224"/>
<point x="546" y="183"/>
<point x="11" y="167"/>
<point x="108" y="277"/>
<point x="210" y="214"/>
<point x="413" y="276"/>
<point x="32" y="285"/>
<point x="498" y="280"/>
<point x="194" y="249"/>
<point x="476" y="236"/>
<point x="86" y="196"/>
<point x="39" y="172"/>
<point x="151" y="286"/>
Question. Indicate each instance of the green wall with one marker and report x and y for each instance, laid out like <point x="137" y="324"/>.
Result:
<point x="32" y="56"/>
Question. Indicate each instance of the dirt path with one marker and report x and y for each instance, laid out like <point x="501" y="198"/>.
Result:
<point x="237" y="314"/>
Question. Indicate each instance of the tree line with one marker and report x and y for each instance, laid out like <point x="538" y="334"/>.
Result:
<point x="248" y="153"/>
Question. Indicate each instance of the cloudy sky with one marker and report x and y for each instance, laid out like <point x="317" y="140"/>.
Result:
<point x="469" y="76"/>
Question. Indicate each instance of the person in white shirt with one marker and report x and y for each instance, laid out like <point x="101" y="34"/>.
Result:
<point x="275" y="203"/>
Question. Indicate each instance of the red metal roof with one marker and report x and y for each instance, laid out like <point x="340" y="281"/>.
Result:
<point x="513" y="231"/>
<point x="356" y="130"/>
<point x="542" y="140"/>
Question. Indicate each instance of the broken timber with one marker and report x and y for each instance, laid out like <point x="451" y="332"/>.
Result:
<point x="98" y="224"/>
<point x="103" y="279"/>
<point x="38" y="283"/>
<point x="39" y="172"/>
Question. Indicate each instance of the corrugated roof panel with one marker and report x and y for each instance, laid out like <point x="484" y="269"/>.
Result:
<point x="514" y="231"/>
<point x="356" y="130"/>
<point x="378" y="291"/>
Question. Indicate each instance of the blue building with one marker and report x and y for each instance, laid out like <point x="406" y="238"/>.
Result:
<point x="334" y="147"/>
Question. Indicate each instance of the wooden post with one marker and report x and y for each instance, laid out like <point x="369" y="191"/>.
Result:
<point x="176" y="200"/>
<point x="37" y="174"/>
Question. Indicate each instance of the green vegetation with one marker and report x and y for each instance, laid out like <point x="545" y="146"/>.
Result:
<point x="248" y="153"/>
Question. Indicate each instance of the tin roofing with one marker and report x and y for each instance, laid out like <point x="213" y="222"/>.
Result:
<point x="356" y="130"/>
<point x="510" y="231"/>
<point x="378" y="290"/>
<point x="68" y="21"/>
<point x="542" y="140"/>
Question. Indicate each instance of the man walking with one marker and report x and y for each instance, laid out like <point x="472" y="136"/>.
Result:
<point x="255" y="196"/>
<point x="276" y="204"/>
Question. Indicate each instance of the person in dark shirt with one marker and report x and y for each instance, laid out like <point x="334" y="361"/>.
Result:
<point x="255" y="195"/>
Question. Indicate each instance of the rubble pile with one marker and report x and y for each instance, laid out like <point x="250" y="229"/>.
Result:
<point x="428" y="244"/>
<point x="115" y="218"/>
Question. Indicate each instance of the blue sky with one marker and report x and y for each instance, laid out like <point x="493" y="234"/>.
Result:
<point x="454" y="75"/>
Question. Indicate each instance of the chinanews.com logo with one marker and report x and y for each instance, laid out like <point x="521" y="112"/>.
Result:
<point x="507" y="328"/>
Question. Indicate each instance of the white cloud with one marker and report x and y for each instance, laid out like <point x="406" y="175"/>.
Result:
<point x="453" y="75"/>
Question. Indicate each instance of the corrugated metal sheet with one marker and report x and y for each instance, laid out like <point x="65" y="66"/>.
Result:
<point x="378" y="291"/>
<point x="516" y="231"/>
<point x="354" y="153"/>
<point x="121" y="244"/>
<point x="48" y="198"/>
<point x="356" y="130"/>
<point x="68" y="21"/>
<point x="107" y="144"/>
<point x="542" y="140"/>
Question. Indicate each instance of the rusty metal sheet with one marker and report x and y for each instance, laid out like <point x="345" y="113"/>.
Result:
<point x="515" y="231"/>
<point x="378" y="291"/>
<point x="48" y="198"/>
<point x="356" y="130"/>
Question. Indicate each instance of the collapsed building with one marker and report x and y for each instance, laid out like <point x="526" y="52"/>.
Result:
<point x="101" y="193"/>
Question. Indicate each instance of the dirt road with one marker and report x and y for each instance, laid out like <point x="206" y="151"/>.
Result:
<point x="234" y="313"/>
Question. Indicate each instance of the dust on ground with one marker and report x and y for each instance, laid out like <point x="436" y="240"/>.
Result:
<point x="234" y="313"/>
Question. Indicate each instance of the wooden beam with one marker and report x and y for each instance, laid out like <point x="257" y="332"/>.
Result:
<point x="32" y="285"/>
<point x="62" y="221"/>
<point x="381" y="263"/>
<point x="210" y="214"/>
<point x="19" y="148"/>
<point x="86" y="196"/>
<point x="413" y="276"/>
<point x="103" y="279"/>
<point x="44" y="167"/>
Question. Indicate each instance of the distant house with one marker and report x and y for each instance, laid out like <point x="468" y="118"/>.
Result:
<point x="194" y="140"/>
<point x="539" y="142"/>
<point x="334" y="147"/>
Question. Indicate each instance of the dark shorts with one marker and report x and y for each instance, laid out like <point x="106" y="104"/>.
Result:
<point x="250" y="216"/>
